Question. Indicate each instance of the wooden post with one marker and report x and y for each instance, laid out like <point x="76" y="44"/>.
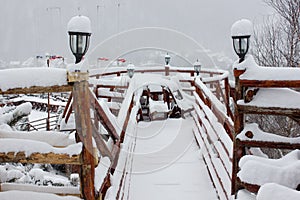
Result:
<point x="83" y="125"/>
<point x="238" y="127"/>
<point x="167" y="70"/>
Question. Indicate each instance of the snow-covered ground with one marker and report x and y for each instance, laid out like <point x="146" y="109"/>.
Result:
<point x="162" y="161"/>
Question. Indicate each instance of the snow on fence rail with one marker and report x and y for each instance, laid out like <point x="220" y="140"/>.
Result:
<point x="216" y="79"/>
<point x="214" y="131"/>
<point x="213" y="119"/>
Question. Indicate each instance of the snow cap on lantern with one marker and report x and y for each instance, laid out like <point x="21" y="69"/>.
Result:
<point x="80" y="24"/>
<point x="242" y="27"/>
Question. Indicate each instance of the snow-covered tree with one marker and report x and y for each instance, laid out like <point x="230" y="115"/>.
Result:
<point x="277" y="41"/>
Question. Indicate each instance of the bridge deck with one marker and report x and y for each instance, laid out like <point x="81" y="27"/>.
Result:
<point x="163" y="161"/>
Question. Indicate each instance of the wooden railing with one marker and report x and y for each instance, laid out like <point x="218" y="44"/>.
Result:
<point x="41" y="124"/>
<point x="215" y="79"/>
<point x="214" y="132"/>
<point x="213" y="120"/>
<point x="249" y="88"/>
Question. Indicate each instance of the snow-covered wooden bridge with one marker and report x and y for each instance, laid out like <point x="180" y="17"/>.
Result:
<point x="164" y="134"/>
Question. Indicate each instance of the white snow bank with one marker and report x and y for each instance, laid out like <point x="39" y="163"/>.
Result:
<point x="28" y="77"/>
<point x="30" y="146"/>
<point x="242" y="27"/>
<point x="259" y="135"/>
<point x="115" y="81"/>
<point x="157" y="106"/>
<point x="25" y="195"/>
<point x="288" y="159"/>
<point x="282" y="171"/>
<point x="245" y="195"/>
<point x="43" y="177"/>
<point x="277" y="192"/>
<point x="255" y="72"/>
<point x="275" y="98"/>
<point x="107" y="92"/>
<point x="101" y="172"/>
<point x="37" y="99"/>
<point x="51" y="137"/>
<point x="39" y="188"/>
<point x="21" y="110"/>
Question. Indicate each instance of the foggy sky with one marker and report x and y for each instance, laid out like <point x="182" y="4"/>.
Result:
<point x="34" y="27"/>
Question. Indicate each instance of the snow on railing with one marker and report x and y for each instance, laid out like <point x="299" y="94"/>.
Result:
<point x="264" y="91"/>
<point x="213" y="123"/>
<point x="21" y="78"/>
<point x="214" y="130"/>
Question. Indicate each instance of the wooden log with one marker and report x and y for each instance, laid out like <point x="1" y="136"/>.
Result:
<point x="122" y="135"/>
<point x="104" y="151"/>
<point x="271" y="83"/>
<point x="69" y="113"/>
<point x="265" y="144"/>
<point x="248" y="109"/>
<point x="115" y="153"/>
<point x="103" y="118"/>
<point x="67" y="105"/>
<point x="84" y="128"/>
<point x="112" y="86"/>
<point x="40" y="158"/>
<point x="38" y="89"/>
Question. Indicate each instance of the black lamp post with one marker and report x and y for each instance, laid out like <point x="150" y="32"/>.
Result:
<point x="197" y="67"/>
<point x="130" y="70"/>
<point x="241" y="46"/>
<point x="167" y="59"/>
<point x="79" y="29"/>
<point x="240" y="33"/>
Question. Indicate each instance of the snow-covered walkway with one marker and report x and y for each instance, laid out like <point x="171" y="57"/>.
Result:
<point x="163" y="162"/>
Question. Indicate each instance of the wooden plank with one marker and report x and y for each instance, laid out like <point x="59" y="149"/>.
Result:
<point x="270" y="83"/>
<point x="104" y="151"/>
<point x="266" y="144"/>
<point x="122" y="135"/>
<point x="69" y="113"/>
<point x="208" y="159"/>
<point x="248" y="109"/>
<point x="112" y="86"/>
<point x="40" y="158"/>
<point x="67" y="105"/>
<point x="103" y="118"/>
<point x="38" y="89"/>
<point x="111" y="97"/>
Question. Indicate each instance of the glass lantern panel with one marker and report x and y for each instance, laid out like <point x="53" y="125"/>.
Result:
<point x="197" y="68"/>
<point x="167" y="59"/>
<point x="73" y="43"/>
<point x="236" y="45"/>
<point x="243" y="47"/>
<point x="81" y="44"/>
<point x="130" y="72"/>
<point x="87" y="43"/>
